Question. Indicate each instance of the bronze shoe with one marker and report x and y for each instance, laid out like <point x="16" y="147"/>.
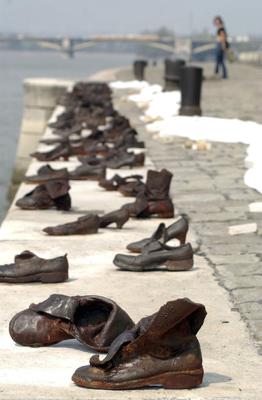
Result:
<point x="119" y="217"/>
<point x="88" y="172"/>
<point x="178" y="230"/>
<point x="145" y="208"/>
<point x="161" y="350"/>
<point x="46" y="174"/>
<point x="117" y="181"/>
<point x="63" y="150"/>
<point x="125" y="159"/>
<point x="30" y="268"/>
<point x="93" y="320"/>
<point x="85" y="225"/>
<point x="48" y="195"/>
<point x="156" y="254"/>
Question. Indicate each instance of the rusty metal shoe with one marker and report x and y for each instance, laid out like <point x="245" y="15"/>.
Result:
<point x="85" y="225"/>
<point x="129" y="140"/>
<point x="88" y="173"/>
<point x="28" y="267"/>
<point x="161" y="350"/>
<point x="95" y="321"/>
<point x="178" y="230"/>
<point x="132" y="189"/>
<point x="117" y="181"/>
<point x="48" y="195"/>
<point x="145" y="208"/>
<point x="63" y="150"/>
<point x="125" y="159"/>
<point x="46" y="174"/>
<point x="155" y="255"/>
<point x="119" y="217"/>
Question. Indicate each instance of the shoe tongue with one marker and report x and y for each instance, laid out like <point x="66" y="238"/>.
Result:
<point x="45" y="169"/>
<point x="87" y="217"/>
<point x="124" y="338"/>
<point x="155" y="245"/>
<point x="24" y="257"/>
<point x="160" y="232"/>
<point x="57" y="188"/>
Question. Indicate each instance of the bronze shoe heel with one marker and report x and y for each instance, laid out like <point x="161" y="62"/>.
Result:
<point x="186" y="380"/>
<point x="139" y="160"/>
<point x="54" y="277"/>
<point x="179" y="265"/>
<point x="181" y="237"/>
<point x="119" y="217"/>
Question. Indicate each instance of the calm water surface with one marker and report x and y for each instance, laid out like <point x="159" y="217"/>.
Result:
<point x="15" y="66"/>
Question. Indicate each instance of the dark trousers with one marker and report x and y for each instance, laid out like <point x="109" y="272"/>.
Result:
<point x="220" y="61"/>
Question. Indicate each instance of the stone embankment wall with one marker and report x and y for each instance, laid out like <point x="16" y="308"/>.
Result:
<point x="40" y="98"/>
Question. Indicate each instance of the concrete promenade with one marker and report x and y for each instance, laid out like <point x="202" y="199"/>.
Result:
<point x="209" y="187"/>
<point x="231" y="361"/>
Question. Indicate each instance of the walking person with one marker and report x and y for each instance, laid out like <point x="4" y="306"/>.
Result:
<point x="222" y="46"/>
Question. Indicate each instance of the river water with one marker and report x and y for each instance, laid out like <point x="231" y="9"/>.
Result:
<point x="15" y="66"/>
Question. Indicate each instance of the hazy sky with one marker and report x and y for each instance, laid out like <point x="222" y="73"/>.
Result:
<point x="87" y="17"/>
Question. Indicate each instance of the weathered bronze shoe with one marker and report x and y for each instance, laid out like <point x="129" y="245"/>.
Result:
<point x="47" y="195"/>
<point x="93" y="320"/>
<point x="119" y="217"/>
<point x="178" y="230"/>
<point x="88" y="172"/>
<point x="30" y="268"/>
<point x="161" y="350"/>
<point x="117" y="181"/>
<point x="125" y="159"/>
<point x="85" y="225"/>
<point x="63" y="150"/>
<point x="46" y="174"/>
<point x="156" y="254"/>
<point x="145" y="208"/>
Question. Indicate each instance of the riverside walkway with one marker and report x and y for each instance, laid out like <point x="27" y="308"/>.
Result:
<point x="209" y="187"/>
<point x="231" y="361"/>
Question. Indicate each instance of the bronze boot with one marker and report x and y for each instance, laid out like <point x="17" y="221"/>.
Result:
<point x="161" y="350"/>
<point x="156" y="194"/>
<point x="47" y="195"/>
<point x="93" y="320"/>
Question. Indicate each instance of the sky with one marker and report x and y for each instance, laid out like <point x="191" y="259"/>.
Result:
<point x="90" y="17"/>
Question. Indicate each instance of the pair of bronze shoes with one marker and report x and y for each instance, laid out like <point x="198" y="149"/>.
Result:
<point x="89" y="224"/>
<point x="128" y="186"/>
<point x="160" y="350"/>
<point x="28" y="267"/>
<point x="47" y="195"/>
<point x="82" y="172"/>
<point x="155" y="253"/>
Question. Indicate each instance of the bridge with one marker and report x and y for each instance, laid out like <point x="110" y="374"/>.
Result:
<point x="69" y="46"/>
<point x="185" y="47"/>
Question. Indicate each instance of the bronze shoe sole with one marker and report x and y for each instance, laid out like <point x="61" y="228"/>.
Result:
<point x="168" y="380"/>
<point x="44" y="277"/>
<point x="171" y="265"/>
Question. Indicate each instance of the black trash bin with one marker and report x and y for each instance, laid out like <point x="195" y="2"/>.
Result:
<point x="191" y="85"/>
<point x="172" y="76"/>
<point x="139" y="69"/>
